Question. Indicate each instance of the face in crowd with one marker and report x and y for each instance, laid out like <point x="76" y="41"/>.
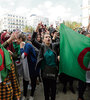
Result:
<point x="38" y="37"/>
<point x="29" y="37"/>
<point x="47" y="39"/>
<point x="20" y="38"/>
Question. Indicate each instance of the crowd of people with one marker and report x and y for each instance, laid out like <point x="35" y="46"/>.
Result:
<point x="33" y="56"/>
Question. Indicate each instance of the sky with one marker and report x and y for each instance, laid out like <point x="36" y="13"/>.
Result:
<point x="52" y="9"/>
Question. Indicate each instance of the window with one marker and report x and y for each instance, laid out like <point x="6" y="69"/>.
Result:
<point x="88" y="2"/>
<point x="89" y="11"/>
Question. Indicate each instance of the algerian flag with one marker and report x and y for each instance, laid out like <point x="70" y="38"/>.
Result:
<point x="74" y="54"/>
<point x="5" y="63"/>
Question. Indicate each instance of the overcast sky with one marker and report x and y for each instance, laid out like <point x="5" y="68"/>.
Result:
<point x="48" y="8"/>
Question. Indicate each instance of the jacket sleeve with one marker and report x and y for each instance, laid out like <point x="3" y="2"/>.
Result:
<point x="56" y="45"/>
<point x="5" y="45"/>
<point x="15" y="85"/>
<point x="34" y="41"/>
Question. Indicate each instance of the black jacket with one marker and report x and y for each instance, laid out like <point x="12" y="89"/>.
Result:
<point x="43" y="48"/>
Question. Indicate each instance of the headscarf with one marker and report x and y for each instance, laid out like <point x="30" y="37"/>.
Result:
<point x="3" y="39"/>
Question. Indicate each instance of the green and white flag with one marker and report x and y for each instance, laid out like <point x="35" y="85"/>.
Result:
<point x="74" y="54"/>
<point x="5" y="63"/>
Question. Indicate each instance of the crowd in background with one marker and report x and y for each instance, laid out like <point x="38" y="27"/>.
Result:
<point x="36" y="57"/>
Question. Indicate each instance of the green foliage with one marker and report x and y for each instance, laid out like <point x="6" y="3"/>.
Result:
<point x="28" y="29"/>
<point x="73" y="25"/>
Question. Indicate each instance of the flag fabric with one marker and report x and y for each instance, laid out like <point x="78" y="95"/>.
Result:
<point x="5" y="63"/>
<point x="74" y="54"/>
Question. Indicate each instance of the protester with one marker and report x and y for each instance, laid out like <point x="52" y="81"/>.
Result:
<point x="40" y="56"/>
<point x="47" y="61"/>
<point x="55" y="36"/>
<point x="5" y="36"/>
<point x="64" y="79"/>
<point x="28" y="51"/>
<point x="51" y="29"/>
<point x="9" y="87"/>
<point x="82" y="85"/>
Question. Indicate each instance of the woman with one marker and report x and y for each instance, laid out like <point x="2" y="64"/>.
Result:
<point x="47" y="61"/>
<point x="9" y="87"/>
<point x="4" y="37"/>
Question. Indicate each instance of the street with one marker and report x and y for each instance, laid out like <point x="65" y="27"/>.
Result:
<point x="39" y="93"/>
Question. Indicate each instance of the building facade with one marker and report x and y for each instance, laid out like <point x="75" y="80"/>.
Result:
<point x="12" y="21"/>
<point x="33" y="20"/>
<point x="85" y="12"/>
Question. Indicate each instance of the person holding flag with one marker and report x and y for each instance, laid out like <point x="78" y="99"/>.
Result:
<point x="9" y="87"/>
<point x="76" y="48"/>
<point x="82" y="85"/>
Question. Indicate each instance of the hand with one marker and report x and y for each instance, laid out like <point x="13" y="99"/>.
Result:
<point x="7" y="35"/>
<point x="55" y="35"/>
<point x="10" y="52"/>
<point x="47" y="31"/>
<point x="18" y="99"/>
<point x="22" y="44"/>
<point x="58" y="58"/>
<point x="12" y="37"/>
